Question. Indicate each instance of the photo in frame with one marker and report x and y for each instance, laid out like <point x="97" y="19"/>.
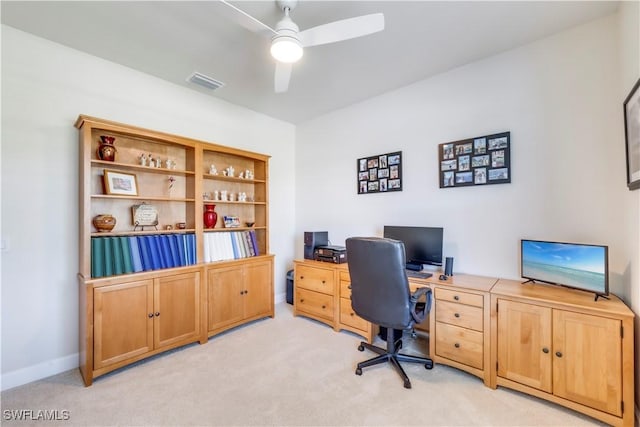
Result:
<point x="632" y="136"/>
<point x="120" y="183"/>
<point x="476" y="161"/>
<point x="380" y="174"/>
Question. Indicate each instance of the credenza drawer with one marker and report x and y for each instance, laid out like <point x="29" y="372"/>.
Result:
<point x="459" y="297"/>
<point x="349" y="317"/>
<point x="459" y="344"/>
<point x="345" y="289"/>
<point x="314" y="303"/>
<point x="314" y="279"/>
<point x="462" y="315"/>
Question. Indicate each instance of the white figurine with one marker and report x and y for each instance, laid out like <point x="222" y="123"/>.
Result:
<point x="152" y="161"/>
<point x="213" y="170"/>
<point x="168" y="163"/>
<point x="216" y="195"/>
<point x="158" y="163"/>
<point x="223" y="195"/>
<point x="230" y="171"/>
<point x="143" y="160"/>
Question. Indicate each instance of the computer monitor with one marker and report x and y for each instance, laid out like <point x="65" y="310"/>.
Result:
<point x="422" y="245"/>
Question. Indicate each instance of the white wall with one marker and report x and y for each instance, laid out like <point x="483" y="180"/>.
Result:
<point x="45" y="87"/>
<point x="559" y="98"/>
<point x="629" y="40"/>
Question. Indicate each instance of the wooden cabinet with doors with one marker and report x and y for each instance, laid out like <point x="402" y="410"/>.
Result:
<point x="135" y="319"/>
<point x="564" y="346"/>
<point x="154" y="260"/>
<point x="238" y="293"/>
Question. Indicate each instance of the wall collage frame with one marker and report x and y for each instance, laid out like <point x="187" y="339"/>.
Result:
<point x="380" y="174"/>
<point x="482" y="160"/>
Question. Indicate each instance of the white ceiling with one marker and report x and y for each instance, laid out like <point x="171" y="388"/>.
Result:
<point x="172" y="39"/>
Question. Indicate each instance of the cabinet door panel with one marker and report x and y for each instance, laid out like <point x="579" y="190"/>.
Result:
<point x="224" y="287"/>
<point x="524" y="344"/>
<point x="587" y="360"/>
<point x="258" y="299"/>
<point x="177" y="308"/>
<point x="122" y="326"/>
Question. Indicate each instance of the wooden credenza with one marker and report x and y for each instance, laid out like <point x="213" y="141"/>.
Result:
<point x="459" y="330"/>
<point x="548" y="341"/>
<point x="561" y="345"/>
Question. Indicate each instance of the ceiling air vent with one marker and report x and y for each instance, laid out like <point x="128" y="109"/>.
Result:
<point x="206" y="81"/>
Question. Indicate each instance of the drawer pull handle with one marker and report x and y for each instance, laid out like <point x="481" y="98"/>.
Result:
<point x="456" y="297"/>
<point x="545" y="350"/>
<point x="301" y="277"/>
<point x="352" y="314"/>
<point x="323" y="282"/>
<point x="324" y="306"/>
<point x="349" y="287"/>
<point x="456" y="345"/>
<point x="457" y="314"/>
<point x="150" y="315"/>
<point x="302" y="300"/>
<point x="157" y="313"/>
<point x="559" y="354"/>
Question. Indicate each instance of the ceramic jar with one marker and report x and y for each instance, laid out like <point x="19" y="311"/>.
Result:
<point x="104" y="222"/>
<point x="106" y="149"/>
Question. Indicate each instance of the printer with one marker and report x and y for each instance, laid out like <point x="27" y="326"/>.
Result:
<point x="334" y="254"/>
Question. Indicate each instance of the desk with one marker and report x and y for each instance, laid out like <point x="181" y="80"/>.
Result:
<point x="458" y="324"/>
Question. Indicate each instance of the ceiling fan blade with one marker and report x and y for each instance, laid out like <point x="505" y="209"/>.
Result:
<point x="342" y="30"/>
<point x="282" y="76"/>
<point x="249" y="22"/>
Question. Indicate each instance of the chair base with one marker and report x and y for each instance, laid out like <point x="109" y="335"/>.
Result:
<point x="391" y="355"/>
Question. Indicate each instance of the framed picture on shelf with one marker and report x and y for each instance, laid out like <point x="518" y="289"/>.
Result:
<point x="632" y="136"/>
<point x="380" y="174"/>
<point x="120" y="183"/>
<point x="481" y="160"/>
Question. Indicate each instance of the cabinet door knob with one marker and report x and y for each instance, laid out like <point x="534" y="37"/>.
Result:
<point x="559" y="354"/>
<point x="157" y="313"/>
<point x="456" y="297"/>
<point x="246" y="291"/>
<point x="352" y="314"/>
<point x="150" y="315"/>
<point x="323" y="282"/>
<point x="324" y="306"/>
<point x="456" y="345"/>
<point x="457" y="315"/>
<point x="301" y="277"/>
<point x="349" y="287"/>
<point x="302" y="300"/>
<point x="545" y="350"/>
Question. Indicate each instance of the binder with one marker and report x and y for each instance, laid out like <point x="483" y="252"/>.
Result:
<point x="154" y="251"/>
<point x="254" y="241"/>
<point x="173" y="249"/>
<point x="136" y="258"/>
<point x="145" y="253"/>
<point x="126" y="255"/>
<point x="108" y="257"/>
<point x="118" y="260"/>
<point x="97" y="257"/>
<point x="167" y="261"/>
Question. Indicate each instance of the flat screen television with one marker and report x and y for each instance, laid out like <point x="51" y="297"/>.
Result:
<point x="422" y="245"/>
<point x="574" y="265"/>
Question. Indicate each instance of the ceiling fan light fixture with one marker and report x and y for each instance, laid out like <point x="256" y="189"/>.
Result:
<point x="286" y="49"/>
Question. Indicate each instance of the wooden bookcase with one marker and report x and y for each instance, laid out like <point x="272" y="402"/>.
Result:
<point x="127" y="313"/>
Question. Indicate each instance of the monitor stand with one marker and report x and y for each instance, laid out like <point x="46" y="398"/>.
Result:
<point x="414" y="266"/>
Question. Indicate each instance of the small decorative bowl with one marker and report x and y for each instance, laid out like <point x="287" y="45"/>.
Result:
<point x="250" y="224"/>
<point x="104" y="223"/>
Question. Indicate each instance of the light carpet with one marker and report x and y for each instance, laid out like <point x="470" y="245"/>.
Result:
<point x="282" y="371"/>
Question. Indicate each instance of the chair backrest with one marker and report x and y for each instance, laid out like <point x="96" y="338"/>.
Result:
<point x="379" y="286"/>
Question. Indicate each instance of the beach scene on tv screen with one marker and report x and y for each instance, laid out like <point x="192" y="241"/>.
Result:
<point x="565" y="264"/>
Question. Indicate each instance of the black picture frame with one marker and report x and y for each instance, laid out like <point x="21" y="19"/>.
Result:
<point x="631" y="108"/>
<point x="482" y="160"/>
<point x="379" y="174"/>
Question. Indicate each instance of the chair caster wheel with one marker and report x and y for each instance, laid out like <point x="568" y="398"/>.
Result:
<point x="360" y="347"/>
<point x="429" y="365"/>
<point x="407" y="384"/>
<point x="358" y="371"/>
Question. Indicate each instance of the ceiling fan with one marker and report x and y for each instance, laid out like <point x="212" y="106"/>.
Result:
<point x="287" y="41"/>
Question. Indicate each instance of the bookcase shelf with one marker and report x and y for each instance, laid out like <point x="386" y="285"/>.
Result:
<point x="124" y="290"/>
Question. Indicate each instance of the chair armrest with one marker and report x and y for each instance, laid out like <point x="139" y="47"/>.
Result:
<point x="418" y="317"/>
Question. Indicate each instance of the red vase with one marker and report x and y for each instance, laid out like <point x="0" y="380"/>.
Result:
<point x="106" y="149"/>
<point x="210" y="216"/>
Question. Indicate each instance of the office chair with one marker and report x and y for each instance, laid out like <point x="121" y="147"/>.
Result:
<point x="380" y="294"/>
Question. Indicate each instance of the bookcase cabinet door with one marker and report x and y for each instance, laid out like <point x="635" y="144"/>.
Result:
<point x="224" y="294"/>
<point x="123" y="322"/>
<point x="258" y="298"/>
<point x="177" y="309"/>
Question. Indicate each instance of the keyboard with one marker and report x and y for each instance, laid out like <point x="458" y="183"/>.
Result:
<point x="418" y="274"/>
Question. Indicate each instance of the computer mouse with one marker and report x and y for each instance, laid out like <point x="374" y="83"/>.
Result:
<point x="443" y="277"/>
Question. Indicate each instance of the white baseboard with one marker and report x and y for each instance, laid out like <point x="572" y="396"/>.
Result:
<point x="36" y="372"/>
<point x="281" y="297"/>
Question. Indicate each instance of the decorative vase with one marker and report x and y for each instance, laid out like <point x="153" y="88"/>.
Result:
<point x="106" y="149"/>
<point x="104" y="222"/>
<point x="210" y="216"/>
